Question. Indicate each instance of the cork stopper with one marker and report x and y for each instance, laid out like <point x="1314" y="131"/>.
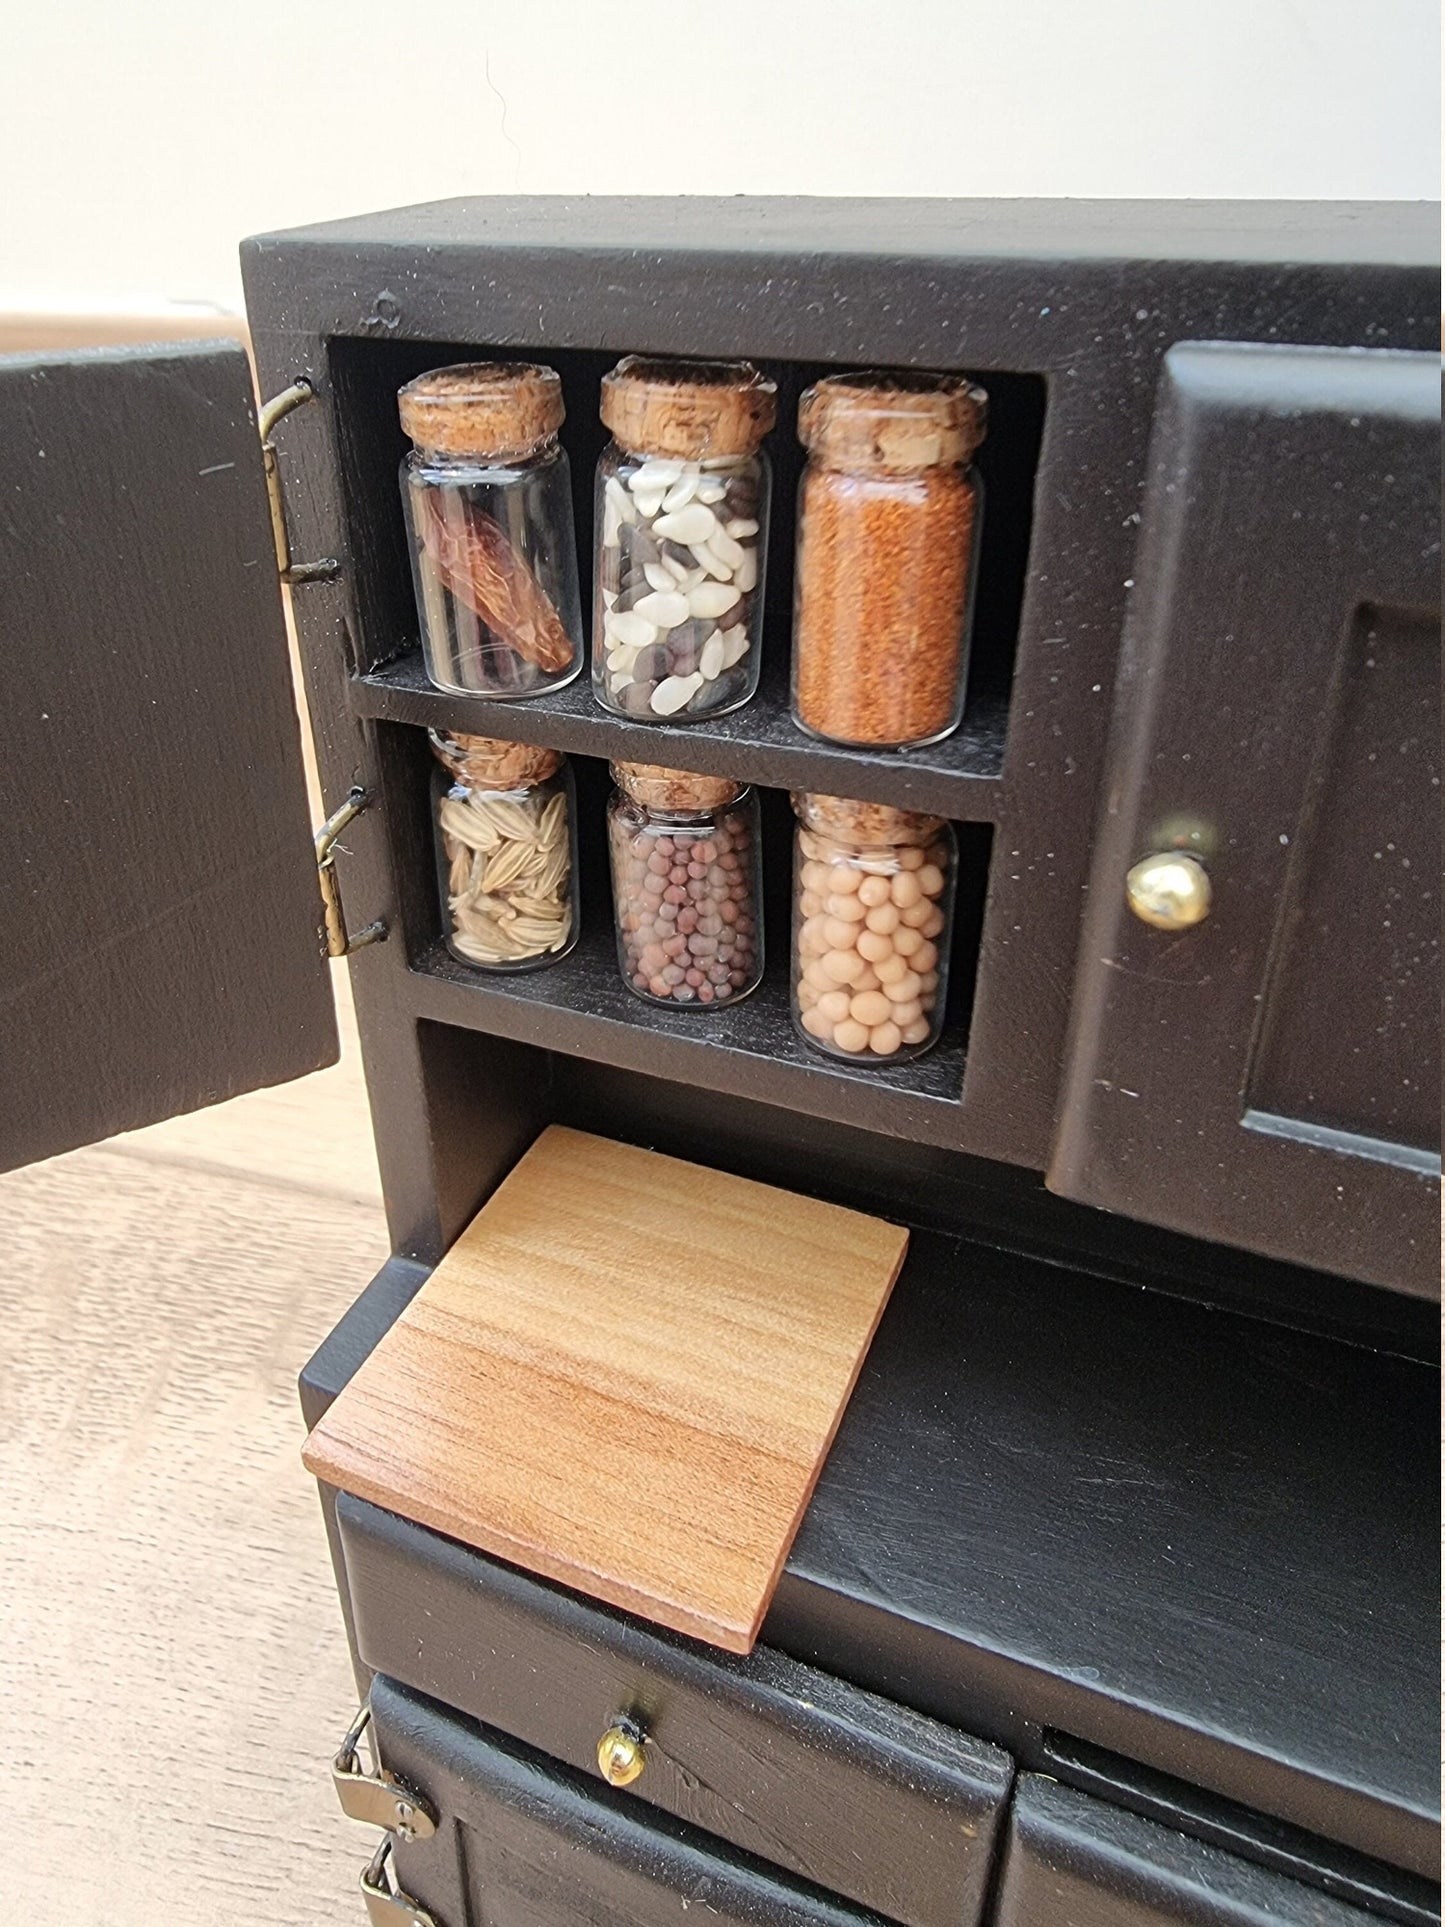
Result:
<point x="893" y="421"/>
<point x="866" y="824"/>
<point x="689" y="410"/>
<point x="658" y="788"/>
<point x="492" y="763"/>
<point x="491" y="409"/>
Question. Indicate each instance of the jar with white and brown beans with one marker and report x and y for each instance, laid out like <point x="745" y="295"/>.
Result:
<point x="686" y="885"/>
<point x="872" y="916"/>
<point x="682" y="518"/>
<point x="506" y="829"/>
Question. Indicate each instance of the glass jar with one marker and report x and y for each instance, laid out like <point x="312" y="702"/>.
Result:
<point x="888" y="516"/>
<point x="681" y="538"/>
<point x="506" y="833"/>
<point x="872" y="919"/>
<point x="488" y="500"/>
<point x="686" y="884"/>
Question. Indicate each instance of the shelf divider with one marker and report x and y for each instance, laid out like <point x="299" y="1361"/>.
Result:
<point x="760" y="743"/>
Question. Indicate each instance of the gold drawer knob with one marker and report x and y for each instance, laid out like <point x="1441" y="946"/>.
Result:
<point x="1170" y="891"/>
<point x="620" y="1757"/>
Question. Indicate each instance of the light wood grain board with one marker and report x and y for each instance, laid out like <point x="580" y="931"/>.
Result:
<point x="625" y="1375"/>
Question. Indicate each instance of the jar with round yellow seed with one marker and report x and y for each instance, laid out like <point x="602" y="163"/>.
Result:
<point x="872" y="920"/>
<point x="506" y="833"/>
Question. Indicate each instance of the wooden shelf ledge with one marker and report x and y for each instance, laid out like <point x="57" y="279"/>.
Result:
<point x="957" y="778"/>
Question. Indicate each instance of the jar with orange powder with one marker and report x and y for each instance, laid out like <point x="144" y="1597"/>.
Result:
<point x="872" y="918"/>
<point x="888" y="518"/>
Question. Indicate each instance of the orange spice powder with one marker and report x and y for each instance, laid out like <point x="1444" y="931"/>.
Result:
<point x="882" y="591"/>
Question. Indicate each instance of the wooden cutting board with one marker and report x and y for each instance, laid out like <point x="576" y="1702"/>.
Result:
<point x="625" y="1375"/>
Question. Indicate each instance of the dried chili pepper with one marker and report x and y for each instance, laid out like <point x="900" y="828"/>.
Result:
<point x="478" y="564"/>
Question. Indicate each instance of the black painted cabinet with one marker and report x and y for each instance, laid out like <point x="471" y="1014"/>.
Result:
<point x="1271" y="1076"/>
<point x="1066" y="313"/>
<point x="1136" y="1484"/>
<point x="1266" y="1080"/>
<point x="1120" y="1562"/>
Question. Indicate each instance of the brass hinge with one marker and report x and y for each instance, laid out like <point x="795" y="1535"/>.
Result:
<point x="339" y="943"/>
<point x="378" y="1798"/>
<point x="272" y="412"/>
<point x="386" y="1904"/>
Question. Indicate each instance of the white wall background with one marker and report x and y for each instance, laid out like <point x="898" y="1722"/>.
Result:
<point x="144" y="140"/>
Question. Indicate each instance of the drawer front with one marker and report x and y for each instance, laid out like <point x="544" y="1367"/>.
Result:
<point x="1072" y="1861"/>
<point x="841" y="1788"/>
<point x="523" y="1843"/>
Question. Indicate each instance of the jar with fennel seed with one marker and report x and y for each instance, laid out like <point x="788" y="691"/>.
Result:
<point x="888" y="523"/>
<point x="488" y="501"/>
<point x="506" y="834"/>
<point x="681" y="538"/>
<point x="873" y="891"/>
<point x="686" y="885"/>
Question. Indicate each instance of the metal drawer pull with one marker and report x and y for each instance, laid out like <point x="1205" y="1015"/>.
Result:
<point x="386" y="1904"/>
<point x="620" y="1756"/>
<point x="378" y="1798"/>
<point x="1170" y="890"/>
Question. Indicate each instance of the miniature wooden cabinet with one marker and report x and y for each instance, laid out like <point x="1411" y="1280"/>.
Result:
<point x="1132" y="1494"/>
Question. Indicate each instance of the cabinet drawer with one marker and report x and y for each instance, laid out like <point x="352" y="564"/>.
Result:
<point x="1072" y="1861"/>
<point x="842" y="1788"/>
<point x="523" y="1843"/>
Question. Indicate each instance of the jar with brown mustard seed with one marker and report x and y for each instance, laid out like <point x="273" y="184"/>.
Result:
<point x="686" y="884"/>
<point x="888" y="523"/>
<point x="872" y="920"/>
<point x="681" y="538"/>
<point x="506" y="833"/>
<point x="488" y="501"/>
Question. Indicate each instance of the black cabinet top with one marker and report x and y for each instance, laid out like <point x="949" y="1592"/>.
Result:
<point x="1406" y="233"/>
<point x="1199" y="1541"/>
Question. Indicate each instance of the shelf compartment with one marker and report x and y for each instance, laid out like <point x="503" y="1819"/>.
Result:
<point x="580" y="1007"/>
<point x="760" y="744"/>
<point x="957" y="778"/>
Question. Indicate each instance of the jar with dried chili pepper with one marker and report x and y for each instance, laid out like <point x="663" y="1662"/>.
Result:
<point x="888" y="518"/>
<point x="488" y="500"/>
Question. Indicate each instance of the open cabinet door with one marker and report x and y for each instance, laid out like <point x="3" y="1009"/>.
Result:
<point x="159" y="912"/>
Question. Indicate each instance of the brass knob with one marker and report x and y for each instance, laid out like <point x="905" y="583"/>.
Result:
<point x="620" y="1757"/>
<point x="1169" y="890"/>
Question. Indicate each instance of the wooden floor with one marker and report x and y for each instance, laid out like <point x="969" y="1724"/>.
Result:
<point x="173" y="1673"/>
